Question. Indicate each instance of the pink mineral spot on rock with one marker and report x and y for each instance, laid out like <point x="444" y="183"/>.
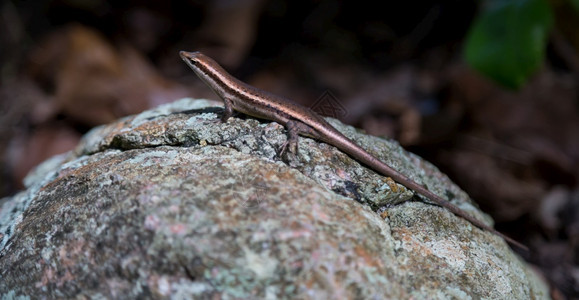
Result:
<point x="179" y="229"/>
<point x="318" y="213"/>
<point x="342" y="173"/>
<point x="294" y="234"/>
<point x="174" y="208"/>
<point x="47" y="276"/>
<point x="152" y="222"/>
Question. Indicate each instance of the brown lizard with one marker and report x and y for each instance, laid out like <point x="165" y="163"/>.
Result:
<point x="299" y="120"/>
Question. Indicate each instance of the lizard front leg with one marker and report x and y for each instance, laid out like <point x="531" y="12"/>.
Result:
<point x="228" y="109"/>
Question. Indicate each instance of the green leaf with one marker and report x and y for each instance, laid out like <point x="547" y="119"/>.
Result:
<point x="508" y="39"/>
<point x="575" y="4"/>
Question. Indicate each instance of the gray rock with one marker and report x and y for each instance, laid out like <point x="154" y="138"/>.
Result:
<point x="172" y="203"/>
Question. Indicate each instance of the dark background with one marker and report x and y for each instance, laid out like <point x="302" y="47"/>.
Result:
<point x="395" y="70"/>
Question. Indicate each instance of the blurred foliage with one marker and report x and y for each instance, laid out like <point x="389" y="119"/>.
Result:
<point x="507" y="40"/>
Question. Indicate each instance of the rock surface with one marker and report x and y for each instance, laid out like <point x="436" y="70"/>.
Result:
<point x="174" y="203"/>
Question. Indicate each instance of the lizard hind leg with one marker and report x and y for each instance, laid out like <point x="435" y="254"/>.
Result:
<point x="294" y="130"/>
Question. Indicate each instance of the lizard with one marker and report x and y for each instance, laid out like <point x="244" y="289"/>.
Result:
<point x="300" y="120"/>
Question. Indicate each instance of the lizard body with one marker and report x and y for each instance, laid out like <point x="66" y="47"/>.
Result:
<point x="299" y="120"/>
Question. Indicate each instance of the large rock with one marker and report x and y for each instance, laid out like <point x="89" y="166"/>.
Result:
<point x="172" y="202"/>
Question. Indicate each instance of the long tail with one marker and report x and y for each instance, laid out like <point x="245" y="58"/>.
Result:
<point x="369" y="160"/>
<point x="407" y="182"/>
